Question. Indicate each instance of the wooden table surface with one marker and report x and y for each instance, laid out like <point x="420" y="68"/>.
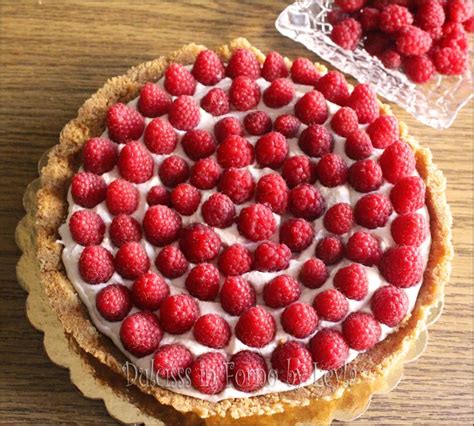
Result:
<point x="54" y="55"/>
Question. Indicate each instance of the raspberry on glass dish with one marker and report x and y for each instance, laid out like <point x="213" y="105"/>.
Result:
<point x="242" y="215"/>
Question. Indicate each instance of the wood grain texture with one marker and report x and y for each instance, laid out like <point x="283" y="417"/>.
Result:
<point x="54" y="55"/>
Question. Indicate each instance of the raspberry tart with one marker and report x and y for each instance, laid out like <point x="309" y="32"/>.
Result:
<point x="240" y="227"/>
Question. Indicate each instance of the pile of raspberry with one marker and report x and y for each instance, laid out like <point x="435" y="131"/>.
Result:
<point x="195" y="190"/>
<point x="419" y="37"/>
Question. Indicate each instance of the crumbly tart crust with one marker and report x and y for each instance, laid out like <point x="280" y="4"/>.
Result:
<point x="63" y="161"/>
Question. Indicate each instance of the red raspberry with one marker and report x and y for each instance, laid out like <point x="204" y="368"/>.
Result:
<point x="218" y="211"/>
<point x="312" y="108"/>
<point x="350" y="6"/>
<point x="361" y="331"/>
<point x="114" y="302"/>
<point x="99" y="155"/>
<point x="303" y="72"/>
<point x="333" y="86"/>
<point x="274" y="67"/>
<point x="185" y="199"/>
<point x="329" y="349"/>
<point x="331" y="305"/>
<point x="299" y="319"/>
<point x="372" y="211"/>
<point x="208" y="68"/>
<point x="88" y="189"/>
<point x="153" y="101"/>
<point x="313" y="273"/>
<point x="237" y="184"/>
<point x="454" y="36"/>
<point x="199" y="243"/>
<point x="270" y="257"/>
<point x="178" y="313"/>
<point x="235" y="260"/>
<point x="158" y="194"/>
<point x="203" y="281"/>
<point x="124" y="229"/>
<point x="208" y="373"/>
<point x="430" y="16"/>
<point x="172" y="361"/>
<point x="256" y="222"/>
<point x="171" y="262"/>
<point x="347" y="34"/>
<point x="205" y="173"/>
<point x="273" y="192"/>
<point x="397" y="161"/>
<point x="140" y="333"/>
<point x="160" y="137"/>
<point x="449" y="61"/>
<point x="124" y="123"/>
<point x="237" y="295"/>
<point x="135" y="163"/>
<point x="216" y="102"/>
<point x="408" y="194"/>
<point x="394" y="17"/>
<point x="339" y="219"/>
<point x="401" y="266"/>
<point x="412" y="41"/>
<point x="131" y="260"/>
<point x="358" y="145"/>
<point x="257" y="123"/>
<point x="365" y="175"/>
<point x="281" y="291"/>
<point x="410" y="229"/>
<point x="198" y="144"/>
<point x="306" y="201"/>
<point x="383" y="131"/>
<point x="173" y="171"/>
<point x="316" y="140"/>
<point x="298" y="169"/>
<point x="469" y="25"/>
<point x="297" y="234"/>
<point x="352" y="281"/>
<point x="377" y="42"/>
<point x="234" y="151"/>
<point x="227" y="126"/>
<point x="87" y="228"/>
<point x="122" y="197"/>
<point x="255" y="327"/>
<point x="459" y="10"/>
<point x="419" y="69"/>
<point x="271" y="150"/>
<point x="161" y="225"/>
<point x="364" y="248"/>
<point x="179" y="81"/>
<point x="280" y="93"/>
<point x="391" y="59"/>
<point x="184" y="113"/>
<point x="344" y="121"/>
<point x="389" y="305"/>
<point x="369" y="18"/>
<point x="330" y="250"/>
<point x="244" y="93"/>
<point x="148" y="291"/>
<point x="335" y="16"/>
<point x="212" y="330"/>
<point x="292" y="362"/>
<point x="248" y="370"/>
<point x="287" y="124"/>
<point x="96" y="265"/>
<point x="332" y="170"/>
<point x="363" y="101"/>
<point x="243" y="62"/>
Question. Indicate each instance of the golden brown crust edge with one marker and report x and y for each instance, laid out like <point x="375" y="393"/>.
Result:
<point x="52" y="209"/>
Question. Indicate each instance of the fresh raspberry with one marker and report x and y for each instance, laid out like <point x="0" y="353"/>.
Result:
<point x="148" y="291"/>
<point x="333" y="86"/>
<point x="390" y="59"/>
<point x="419" y="69"/>
<point x="203" y="281"/>
<point x="199" y="243"/>
<point x="257" y="123"/>
<point x="178" y="313"/>
<point x="292" y="362"/>
<point x="227" y="126"/>
<point x="335" y="16"/>
<point x="184" y="113"/>
<point x="329" y="349"/>
<point x="158" y="194"/>
<point x="124" y="229"/>
<point x="235" y="151"/>
<point x="332" y="170"/>
<point x="198" y="144"/>
<point x="212" y="330"/>
<point x="205" y="173"/>
<point x="153" y="101"/>
<point x="99" y="155"/>
<point x="271" y="257"/>
<point x="256" y="327"/>
<point x="365" y="175"/>
<point x="237" y="295"/>
<point x="430" y="16"/>
<point x="358" y="145"/>
<point x="303" y="72"/>
<point x="330" y="250"/>
<point x="339" y="219"/>
<point x="397" y="161"/>
<point x="389" y="305"/>
<point x="218" y="211"/>
<point x="313" y="273"/>
<point x="124" y="123"/>
<point x="363" y="101"/>
<point x="235" y="260"/>
<point x="172" y="361"/>
<point x="361" y="331"/>
<point x="161" y="225"/>
<point x="312" y="108"/>
<point x="216" y="102"/>
<point x="372" y="211"/>
<point x="449" y="61"/>
<point x="171" y="262"/>
<point x="208" y="68"/>
<point x="256" y="222"/>
<point x="331" y="305"/>
<point x="244" y="93"/>
<point x="243" y="62"/>
<point x="408" y="194"/>
<point x="131" y="260"/>
<point x="306" y="201"/>
<point x="364" y="248"/>
<point x="394" y="17"/>
<point x="299" y="319"/>
<point x="88" y="189"/>
<point x="410" y="229"/>
<point x="459" y="10"/>
<point x="469" y="25"/>
<point x="273" y="192"/>
<point x="383" y="131"/>
<point x="96" y="265"/>
<point x="412" y="41"/>
<point x="350" y="6"/>
<point x="87" y="228"/>
<point x="135" y="163"/>
<point x="344" y="121"/>
<point x="114" y="302"/>
<point x="369" y="18"/>
<point x="121" y="197"/>
<point x="237" y="184"/>
<point x="274" y="67"/>
<point x="185" y="199"/>
<point x="297" y="234"/>
<point x="160" y="137"/>
<point x="352" y="281"/>
<point x="347" y="33"/>
<point x="316" y="140"/>
<point x="280" y="93"/>
<point x="401" y="266"/>
<point x="179" y="81"/>
<point x="287" y="124"/>
<point x="208" y="373"/>
<point x="377" y="42"/>
<point x="281" y="291"/>
<point x="140" y="333"/>
<point x="298" y="169"/>
<point x="248" y="370"/>
<point x="454" y="36"/>
<point x="271" y="150"/>
<point x="173" y="171"/>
